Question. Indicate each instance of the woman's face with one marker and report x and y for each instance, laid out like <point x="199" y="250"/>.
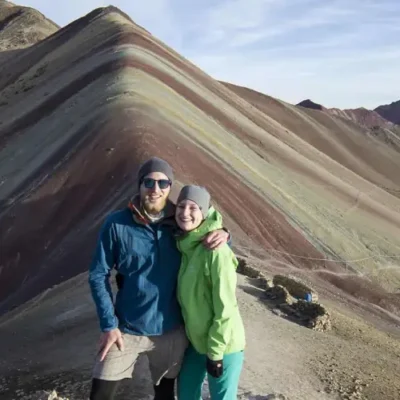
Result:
<point x="188" y="215"/>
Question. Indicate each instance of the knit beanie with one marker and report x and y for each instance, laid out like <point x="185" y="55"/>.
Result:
<point x="155" y="164"/>
<point x="198" y="194"/>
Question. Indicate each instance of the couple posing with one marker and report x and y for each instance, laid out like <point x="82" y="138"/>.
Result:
<point x="176" y="302"/>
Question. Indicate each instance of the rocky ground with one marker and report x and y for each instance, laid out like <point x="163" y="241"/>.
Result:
<point x="284" y="358"/>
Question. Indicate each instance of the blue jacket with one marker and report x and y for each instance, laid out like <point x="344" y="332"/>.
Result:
<point x="147" y="262"/>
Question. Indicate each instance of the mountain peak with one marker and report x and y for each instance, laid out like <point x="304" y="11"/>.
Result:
<point x="310" y="104"/>
<point x="5" y="3"/>
<point x="21" y="27"/>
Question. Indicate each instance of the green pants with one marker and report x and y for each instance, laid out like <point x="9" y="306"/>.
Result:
<point x="193" y="372"/>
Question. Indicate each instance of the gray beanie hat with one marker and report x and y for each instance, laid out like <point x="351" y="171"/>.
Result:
<point x="198" y="194"/>
<point x="155" y="164"/>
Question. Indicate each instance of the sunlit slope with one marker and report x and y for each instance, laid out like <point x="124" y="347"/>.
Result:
<point x="346" y="160"/>
<point x="344" y="141"/>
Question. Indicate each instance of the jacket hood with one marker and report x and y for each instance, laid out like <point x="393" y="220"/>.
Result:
<point x="212" y="222"/>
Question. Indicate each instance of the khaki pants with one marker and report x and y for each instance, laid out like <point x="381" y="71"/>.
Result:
<point x="165" y="354"/>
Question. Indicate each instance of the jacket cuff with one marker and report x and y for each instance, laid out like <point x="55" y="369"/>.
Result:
<point x="214" y="356"/>
<point x="110" y="327"/>
<point x="229" y="240"/>
<point x="227" y="231"/>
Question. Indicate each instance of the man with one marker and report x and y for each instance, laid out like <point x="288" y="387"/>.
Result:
<point x="146" y="318"/>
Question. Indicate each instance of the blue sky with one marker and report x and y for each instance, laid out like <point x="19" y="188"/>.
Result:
<point x="340" y="53"/>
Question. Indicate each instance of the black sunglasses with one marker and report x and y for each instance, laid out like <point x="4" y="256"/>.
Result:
<point x="149" y="183"/>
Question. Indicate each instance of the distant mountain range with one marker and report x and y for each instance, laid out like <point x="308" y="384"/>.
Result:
<point x="390" y="111"/>
<point x="385" y="116"/>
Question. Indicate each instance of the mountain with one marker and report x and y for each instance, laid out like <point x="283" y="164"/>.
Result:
<point x="303" y="192"/>
<point x="21" y="27"/>
<point x="371" y="121"/>
<point x="310" y="104"/>
<point x="391" y="112"/>
<point x="362" y="116"/>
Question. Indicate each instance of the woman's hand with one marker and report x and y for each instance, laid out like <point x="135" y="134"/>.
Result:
<point x="215" y="368"/>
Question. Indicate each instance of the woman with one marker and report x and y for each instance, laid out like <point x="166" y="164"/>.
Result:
<point x="206" y="293"/>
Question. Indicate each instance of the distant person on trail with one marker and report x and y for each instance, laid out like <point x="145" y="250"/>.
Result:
<point x="207" y="295"/>
<point x="139" y="242"/>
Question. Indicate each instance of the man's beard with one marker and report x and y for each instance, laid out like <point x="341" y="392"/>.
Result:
<point x="154" y="208"/>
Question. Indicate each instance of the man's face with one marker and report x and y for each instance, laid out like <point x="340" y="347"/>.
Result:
<point x="152" y="196"/>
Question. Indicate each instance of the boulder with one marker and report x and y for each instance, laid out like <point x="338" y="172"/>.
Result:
<point x="321" y="324"/>
<point x="315" y="315"/>
<point x="245" y="268"/>
<point x="279" y="294"/>
<point x="291" y="297"/>
<point x="296" y="287"/>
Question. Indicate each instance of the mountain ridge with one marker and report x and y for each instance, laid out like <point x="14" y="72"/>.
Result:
<point x="361" y="115"/>
<point x="390" y="111"/>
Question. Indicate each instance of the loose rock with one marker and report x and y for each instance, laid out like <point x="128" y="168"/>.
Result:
<point x="296" y="287"/>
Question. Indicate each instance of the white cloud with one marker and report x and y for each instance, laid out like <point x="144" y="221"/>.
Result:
<point x="342" y="54"/>
<point x="345" y="80"/>
<point x="233" y="20"/>
<point x="238" y="14"/>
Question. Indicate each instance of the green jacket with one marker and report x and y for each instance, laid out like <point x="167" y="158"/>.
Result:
<point x="206" y="293"/>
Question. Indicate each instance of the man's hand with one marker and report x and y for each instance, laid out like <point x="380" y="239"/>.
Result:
<point x="215" y="239"/>
<point x="215" y="368"/>
<point x="107" y="339"/>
